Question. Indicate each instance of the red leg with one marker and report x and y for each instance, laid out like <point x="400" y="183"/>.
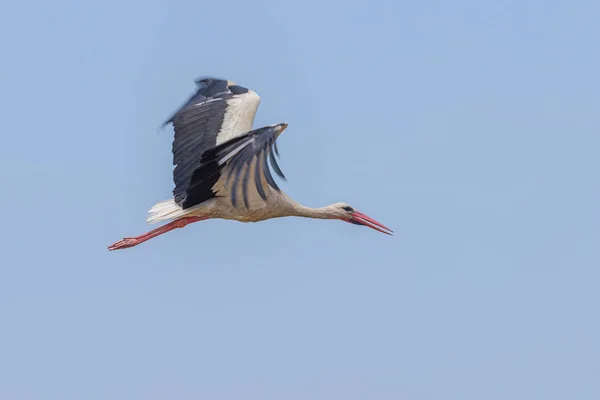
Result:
<point x="134" y="241"/>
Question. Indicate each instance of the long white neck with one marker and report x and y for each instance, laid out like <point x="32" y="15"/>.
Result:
<point x="298" y="210"/>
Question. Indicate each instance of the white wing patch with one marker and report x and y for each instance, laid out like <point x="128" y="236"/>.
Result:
<point x="239" y="116"/>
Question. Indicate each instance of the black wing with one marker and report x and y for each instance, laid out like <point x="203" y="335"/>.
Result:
<point x="201" y="120"/>
<point x="229" y="158"/>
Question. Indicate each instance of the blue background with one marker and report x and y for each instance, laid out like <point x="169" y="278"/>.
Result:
<point x="470" y="128"/>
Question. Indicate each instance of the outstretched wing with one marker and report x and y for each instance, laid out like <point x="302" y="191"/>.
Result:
<point x="219" y="111"/>
<point x="233" y="160"/>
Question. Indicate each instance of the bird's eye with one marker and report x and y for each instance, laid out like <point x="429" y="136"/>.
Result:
<point x="347" y="208"/>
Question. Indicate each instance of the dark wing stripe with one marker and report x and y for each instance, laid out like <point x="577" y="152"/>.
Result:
<point x="267" y="173"/>
<point x="257" y="180"/>
<point x="245" y="192"/>
<point x="274" y="164"/>
<point x="249" y="159"/>
<point x="238" y="172"/>
<point x="237" y="165"/>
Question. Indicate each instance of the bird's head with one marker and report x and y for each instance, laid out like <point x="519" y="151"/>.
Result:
<point x="347" y="213"/>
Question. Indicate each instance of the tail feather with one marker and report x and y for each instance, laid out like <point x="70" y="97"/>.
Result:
<point x="164" y="211"/>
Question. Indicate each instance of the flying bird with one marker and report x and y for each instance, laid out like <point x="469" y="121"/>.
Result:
<point x="222" y="167"/>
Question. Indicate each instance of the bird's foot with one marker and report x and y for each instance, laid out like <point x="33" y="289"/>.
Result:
<point x="123" y="244"/>
<point x="134" y="241"/>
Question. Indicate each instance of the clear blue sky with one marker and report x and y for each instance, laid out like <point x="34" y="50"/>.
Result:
<point x="471" y="128"/>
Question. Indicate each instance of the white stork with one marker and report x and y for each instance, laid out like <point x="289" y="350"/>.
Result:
<point x="218" y="157"/>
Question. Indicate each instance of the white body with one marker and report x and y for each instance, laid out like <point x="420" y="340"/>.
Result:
<point x="278" y="204"/>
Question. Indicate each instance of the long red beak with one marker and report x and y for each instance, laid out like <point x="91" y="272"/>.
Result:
<point x="361" y="219"/>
